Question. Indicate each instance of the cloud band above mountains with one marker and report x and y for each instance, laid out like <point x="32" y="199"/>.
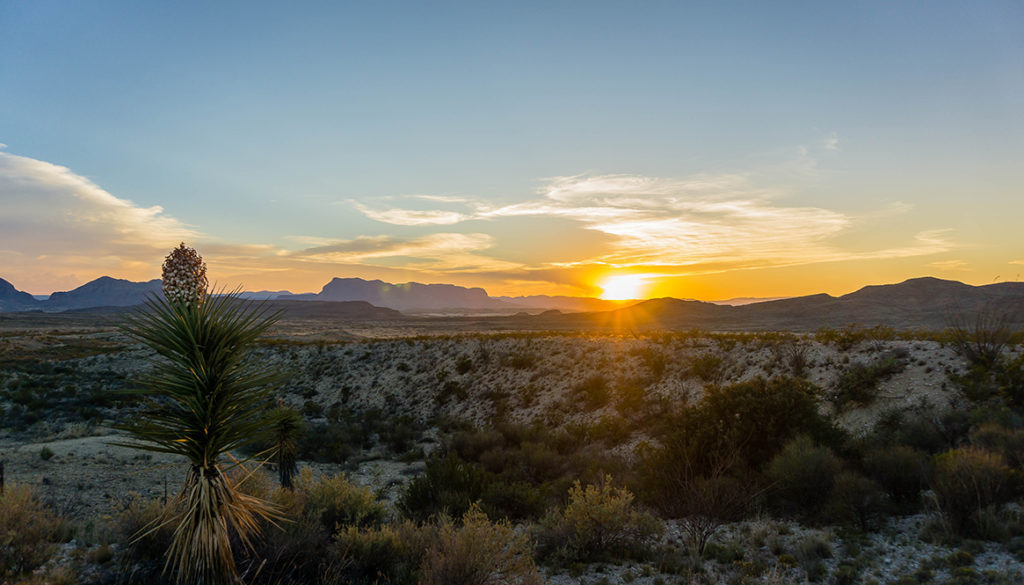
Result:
<point x="58" y="229"/>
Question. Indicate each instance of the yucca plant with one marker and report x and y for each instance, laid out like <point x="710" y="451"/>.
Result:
<point x="202" y="399"/>
<point x="288" y="426"/>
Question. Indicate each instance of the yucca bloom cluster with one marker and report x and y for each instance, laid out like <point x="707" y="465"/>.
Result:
<point x="184" y="276"/>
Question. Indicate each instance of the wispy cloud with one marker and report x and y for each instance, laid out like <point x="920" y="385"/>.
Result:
<point x="442" y="251"/>
<point x="409" y="217"/>
<point x="74" y="224"/>
<point x="832" y="142"/>
<point x="706" y="223"/>
<point x="950" y="265"/>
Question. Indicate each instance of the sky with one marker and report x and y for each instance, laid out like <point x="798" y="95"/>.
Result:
<point x="705" y="150"/>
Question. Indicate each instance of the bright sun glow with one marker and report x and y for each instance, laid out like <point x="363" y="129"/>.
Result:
<point x="623" y="287"/>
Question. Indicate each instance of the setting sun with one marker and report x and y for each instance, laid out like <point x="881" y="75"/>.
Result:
<point x="623" y="287"/>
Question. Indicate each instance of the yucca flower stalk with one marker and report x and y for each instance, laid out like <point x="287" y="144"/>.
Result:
<point x="202" y="399"/>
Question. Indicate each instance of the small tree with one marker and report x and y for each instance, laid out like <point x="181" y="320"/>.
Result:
<point x="202" y="399"/>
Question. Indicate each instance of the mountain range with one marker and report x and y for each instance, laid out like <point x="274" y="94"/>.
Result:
<point x="919" y="302"/>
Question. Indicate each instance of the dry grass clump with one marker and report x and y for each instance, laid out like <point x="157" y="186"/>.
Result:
<point x="966" y="482"/>
<point x="479" y="552"/>
<point x="27" y="531"/>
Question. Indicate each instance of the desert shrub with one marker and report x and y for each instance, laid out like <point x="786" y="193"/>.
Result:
<point x="140" y="525"/>
<point x="856" y="501"/>
<point x="859" y="383"/>
<point x="966" y="481"/>
<point x="519" y="360"/>
<point x="337" y="502"/>
<point x="464" y="364"/>
<point x="448" y="485"/>
<point x="348" y="432"/>
<point x="593" y="391"/>
<point x="707" y="367"/>
<point x="901" y="470"/>
<point x="981" y="338"/>
<point x="802" y="476"/>
<point x="479" y="552"/>
<point x="28" y="531"/>
<point x="297" y="547"/>
<point x="654" y="360"/>
<point x="996" y="438"/>
<point x="600" y="522"/>
<point x="382" y="555"/>
<point x="630" y="395"/>
<point x="296" y="550"/>
<point x="794" y="358"/>
<point x="929" y="431"/>
<point x="759" y="416"/>
<point x="527" y="468"/>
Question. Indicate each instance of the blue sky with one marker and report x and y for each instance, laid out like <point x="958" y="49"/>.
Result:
<point x="875" y="141"/>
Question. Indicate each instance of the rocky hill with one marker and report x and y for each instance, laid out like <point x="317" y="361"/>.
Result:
<point x="12" y="299"/>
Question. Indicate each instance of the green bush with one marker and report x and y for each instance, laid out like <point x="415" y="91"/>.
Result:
<point x="479" y="552"/>
<point x="902" y="471"/>
<point x="759" y="416"/>
<point x="966" y="481"/>
<point x="802" y="476"/>
<point x="448" y="485"/>
<point x="600" y="522"/>
<point x="856" y="501"/>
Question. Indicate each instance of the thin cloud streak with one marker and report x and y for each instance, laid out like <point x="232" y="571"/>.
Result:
<point x="698" y="225"/>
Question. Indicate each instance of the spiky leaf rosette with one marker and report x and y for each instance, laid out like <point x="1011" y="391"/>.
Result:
<point x="203" y="398"/>
<point x="184" y="276"/>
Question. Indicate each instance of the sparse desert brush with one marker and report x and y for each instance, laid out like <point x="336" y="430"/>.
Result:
<point x="982" y="337"/>
<point x="593" y="391"/>
<point x="28" y="531"/>
<point x="600" y="522"/>
<point x="858" y="384"/>
<point x="479" y="552"/>
<point x="708" y="367"/>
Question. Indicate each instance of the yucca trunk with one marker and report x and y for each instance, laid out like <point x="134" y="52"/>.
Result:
<point x="209" y="510"/>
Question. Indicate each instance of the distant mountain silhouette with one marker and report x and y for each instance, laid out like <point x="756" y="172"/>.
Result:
<point x="404" y="297"/>
<point x="103" y="292"/>
<point x="12" y="299"/>
<point x="920" y="302"/>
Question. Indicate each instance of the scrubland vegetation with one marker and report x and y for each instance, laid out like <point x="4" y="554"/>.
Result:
<point x="847" y="456"/>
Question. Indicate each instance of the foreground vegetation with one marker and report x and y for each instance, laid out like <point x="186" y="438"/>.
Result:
<point x="739" y="458"/>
